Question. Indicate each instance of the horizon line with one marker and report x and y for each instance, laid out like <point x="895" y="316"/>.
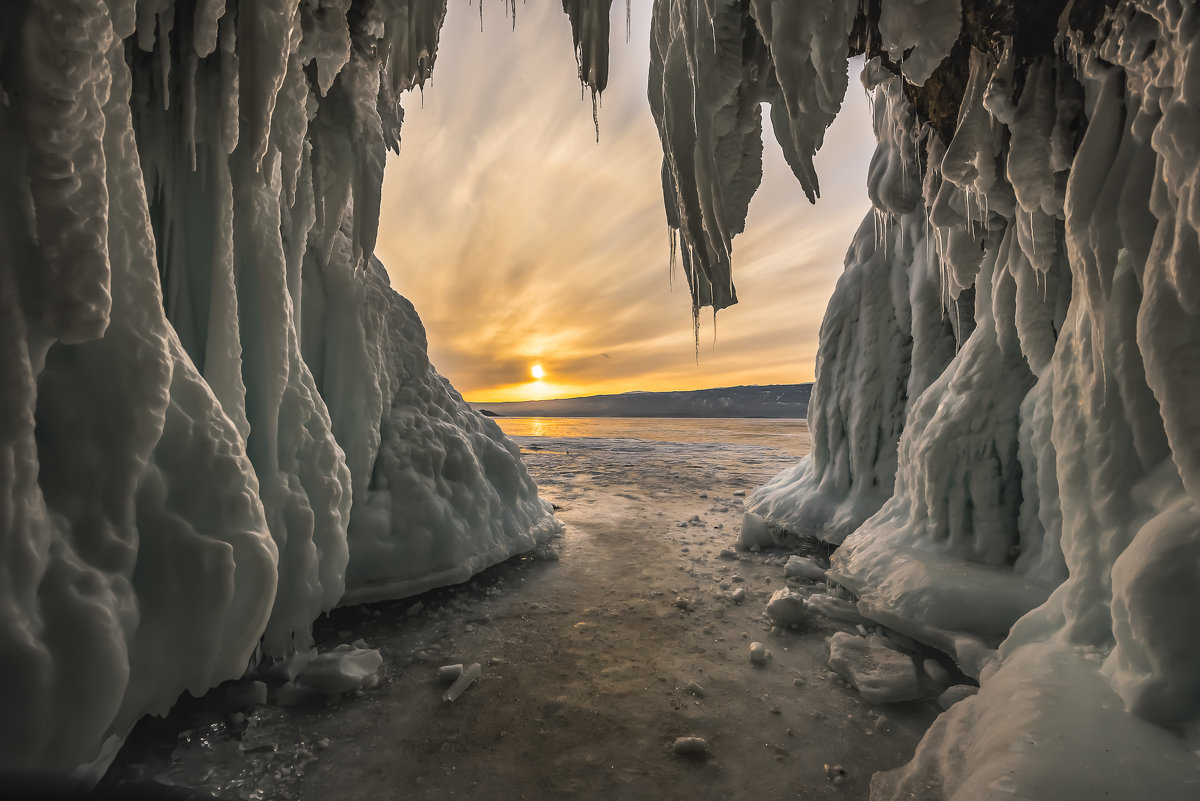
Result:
<point x="633" y="392"/>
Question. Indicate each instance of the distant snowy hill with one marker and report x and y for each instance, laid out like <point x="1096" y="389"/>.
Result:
<point x="779" y="400"/>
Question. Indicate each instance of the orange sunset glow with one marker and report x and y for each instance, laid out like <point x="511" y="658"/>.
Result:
<point x="528" y="248"/>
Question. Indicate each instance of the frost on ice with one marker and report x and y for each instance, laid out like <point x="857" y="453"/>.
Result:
<point x="1005" y="443"/>
<point x="216" y="418"/>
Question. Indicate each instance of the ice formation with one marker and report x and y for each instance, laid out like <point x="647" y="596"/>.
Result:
<point x="1004" y="438"/>
<point x="217" y="420"/>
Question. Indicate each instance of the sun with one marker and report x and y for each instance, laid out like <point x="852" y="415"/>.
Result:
<point x="537" y="372"/>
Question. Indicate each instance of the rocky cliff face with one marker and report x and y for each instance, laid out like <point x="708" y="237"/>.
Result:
<point x="1002" y="440"/>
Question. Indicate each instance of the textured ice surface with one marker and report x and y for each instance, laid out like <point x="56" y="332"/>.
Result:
<point x="216" y="418"/>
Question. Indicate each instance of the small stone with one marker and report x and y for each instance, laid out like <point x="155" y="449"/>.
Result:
<point x="685" y="604"/>
<point x="835" y="773"/>
<point x="704" y="495"/>
<point x="728" y="553"/>
<point x="787" y="610"/>
<point x="739" y="493"/>
<point x="738" y="595"/>
<point x="690" y="746"/>
<point x="758" y="654"/>
<point x="695" y="689"/>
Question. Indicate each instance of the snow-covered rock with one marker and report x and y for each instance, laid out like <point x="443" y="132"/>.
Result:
<point x="881" y="674"/>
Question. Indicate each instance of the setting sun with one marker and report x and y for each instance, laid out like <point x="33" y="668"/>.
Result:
<point x="537" y="372"/>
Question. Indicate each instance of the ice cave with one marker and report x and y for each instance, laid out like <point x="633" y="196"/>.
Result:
<point x="219" y="422"/>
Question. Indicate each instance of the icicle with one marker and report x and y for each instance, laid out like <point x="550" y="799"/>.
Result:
<point x="166" y="22"/>
<point x="596" y="113"/>
<point x="671" y="238"/>
<point x="189" y="104"/>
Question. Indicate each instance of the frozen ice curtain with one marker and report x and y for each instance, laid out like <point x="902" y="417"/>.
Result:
<point x="217" y="420"/>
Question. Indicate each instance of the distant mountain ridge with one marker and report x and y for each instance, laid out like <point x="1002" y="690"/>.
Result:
<point x="776" y="400"/>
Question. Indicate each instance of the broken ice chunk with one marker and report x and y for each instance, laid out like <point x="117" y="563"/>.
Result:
<point x="754" y="533"/>
<point x="460" y="685"/>
<point x="955" y="694"/>
<point x="448" y="673"/>
<point x="880" y="674"/>
<point x="342" y="670"/>
<point x="803" y="567"/>
<point x="937" y="673"/>
<point x="836" y="609"/>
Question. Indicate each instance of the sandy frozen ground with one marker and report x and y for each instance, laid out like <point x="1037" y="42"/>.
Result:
<point x="587" y="662"/>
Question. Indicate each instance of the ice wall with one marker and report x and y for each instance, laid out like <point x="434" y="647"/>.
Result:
<point x="216" y="418"/>
<point x="1002" y="444"/>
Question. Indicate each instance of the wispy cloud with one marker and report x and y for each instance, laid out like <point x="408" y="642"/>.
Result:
<point x="521" y="240"/>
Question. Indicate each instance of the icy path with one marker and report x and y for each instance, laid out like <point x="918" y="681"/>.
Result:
<point x="587" y="663"/>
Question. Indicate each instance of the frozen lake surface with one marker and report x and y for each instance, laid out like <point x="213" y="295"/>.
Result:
<point x="634" y="630"/>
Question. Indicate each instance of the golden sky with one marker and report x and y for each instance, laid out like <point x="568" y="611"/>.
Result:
<point x="522" y="242"/>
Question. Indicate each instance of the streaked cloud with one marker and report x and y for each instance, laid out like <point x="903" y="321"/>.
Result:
<point x="522" y="241"/>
